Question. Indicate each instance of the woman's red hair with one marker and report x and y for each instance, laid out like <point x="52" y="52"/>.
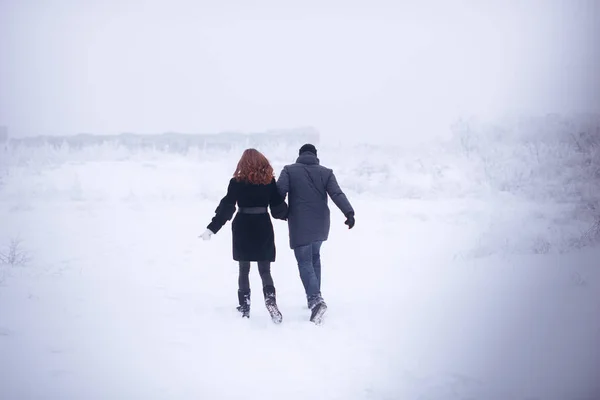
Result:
<point x="254" y="168"/>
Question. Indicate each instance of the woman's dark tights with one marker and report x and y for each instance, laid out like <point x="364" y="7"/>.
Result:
<point x="264" y="269"/>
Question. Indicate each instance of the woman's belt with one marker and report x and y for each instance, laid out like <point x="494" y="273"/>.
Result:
<point x="252" y="210"/>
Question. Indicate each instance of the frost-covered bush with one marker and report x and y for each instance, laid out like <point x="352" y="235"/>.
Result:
<point x="544" y="160"/>
<point x="534" y="157"/>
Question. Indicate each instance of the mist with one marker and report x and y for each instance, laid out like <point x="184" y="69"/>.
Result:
<point x="356" y="71"/>
<point x="466" y="135"/>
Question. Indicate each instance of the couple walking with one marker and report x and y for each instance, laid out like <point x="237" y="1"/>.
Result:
<point x="253" y="188"/>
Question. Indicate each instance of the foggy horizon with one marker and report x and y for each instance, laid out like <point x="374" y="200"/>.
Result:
<point x="384" y="71"/>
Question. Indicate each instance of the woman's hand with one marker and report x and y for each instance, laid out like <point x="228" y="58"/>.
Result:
<point x="206" y="235"/>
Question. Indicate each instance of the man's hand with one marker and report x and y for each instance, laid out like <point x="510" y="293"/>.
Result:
<point x="350" y="219"/>
<point x="206" y="235"/>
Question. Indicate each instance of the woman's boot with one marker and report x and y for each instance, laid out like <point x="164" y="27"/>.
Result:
<point x="271" y="303"/>
<point x="244" y="300"/>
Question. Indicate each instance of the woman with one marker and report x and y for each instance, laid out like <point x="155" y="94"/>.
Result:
<point x="253" y="189"/>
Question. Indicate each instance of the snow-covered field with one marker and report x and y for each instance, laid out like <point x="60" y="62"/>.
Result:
<point x="447" y="288"/>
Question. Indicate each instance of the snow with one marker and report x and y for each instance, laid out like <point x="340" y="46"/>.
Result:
<point x="447" y="287"/>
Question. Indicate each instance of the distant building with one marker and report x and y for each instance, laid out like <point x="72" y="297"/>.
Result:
<point x="3" y="134"/>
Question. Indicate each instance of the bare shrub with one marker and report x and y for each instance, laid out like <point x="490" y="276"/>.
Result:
<point x="14" y="254"/>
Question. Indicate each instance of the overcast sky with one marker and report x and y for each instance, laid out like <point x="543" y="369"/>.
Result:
<point x="355" y="70"/>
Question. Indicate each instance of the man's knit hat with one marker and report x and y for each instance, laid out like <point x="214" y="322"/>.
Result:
<point x="308" y="147"/>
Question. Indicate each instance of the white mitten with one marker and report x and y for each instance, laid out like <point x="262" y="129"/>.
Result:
<point x="206" y="235"/>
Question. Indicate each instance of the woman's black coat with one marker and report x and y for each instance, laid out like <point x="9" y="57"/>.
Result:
<point x="253" y="236"/>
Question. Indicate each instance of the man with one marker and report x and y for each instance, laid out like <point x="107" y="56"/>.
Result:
<point x="307" y="183"/>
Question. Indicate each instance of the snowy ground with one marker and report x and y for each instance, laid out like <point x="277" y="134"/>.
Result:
<point x="121" y="300"/>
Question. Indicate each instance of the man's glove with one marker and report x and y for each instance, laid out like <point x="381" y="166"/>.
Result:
<point x="206" y="235"/>
<point x="350" y="219"/>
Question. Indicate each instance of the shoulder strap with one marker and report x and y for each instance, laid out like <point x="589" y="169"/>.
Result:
<point x="318" y="187"/>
